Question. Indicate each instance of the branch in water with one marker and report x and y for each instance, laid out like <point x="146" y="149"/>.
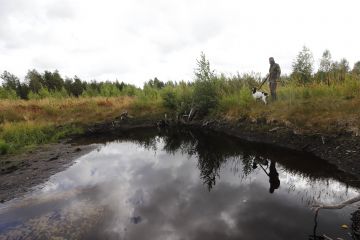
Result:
<point x="336" y="206"/>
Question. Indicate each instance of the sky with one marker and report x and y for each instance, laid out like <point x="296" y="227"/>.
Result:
<point x="136" y="40"/>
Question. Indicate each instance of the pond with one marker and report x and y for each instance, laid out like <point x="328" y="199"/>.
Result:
<point x="183" y="184"/>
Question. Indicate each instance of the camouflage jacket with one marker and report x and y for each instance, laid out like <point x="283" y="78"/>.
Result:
<point x="274" y="72"/>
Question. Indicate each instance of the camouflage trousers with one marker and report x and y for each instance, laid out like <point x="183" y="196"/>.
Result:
<point x="273" y="85"/>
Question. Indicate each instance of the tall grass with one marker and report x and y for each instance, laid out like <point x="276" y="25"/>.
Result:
<point x="236" y="103"/>
<point x="26" y="124"/>
<point x="314" y="107"/>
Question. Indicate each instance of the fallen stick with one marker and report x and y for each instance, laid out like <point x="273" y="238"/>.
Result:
<point x="327" y="238"/>
<point x="336" y="206"/>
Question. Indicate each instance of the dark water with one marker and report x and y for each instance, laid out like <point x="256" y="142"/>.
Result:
<point x="183" y="184"/>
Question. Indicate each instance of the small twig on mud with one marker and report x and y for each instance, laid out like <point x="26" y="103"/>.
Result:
<point x="327" y="238"/>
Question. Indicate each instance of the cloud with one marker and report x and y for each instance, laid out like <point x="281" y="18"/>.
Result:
<point x="60" y="10"/>
<point x="137" y="40"/>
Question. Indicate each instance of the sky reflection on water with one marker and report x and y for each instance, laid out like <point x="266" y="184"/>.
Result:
<point x="181" y="185"/>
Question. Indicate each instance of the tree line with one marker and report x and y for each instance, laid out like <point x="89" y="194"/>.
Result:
<point x="329" y="71"/>
<point x="51" y="84"/>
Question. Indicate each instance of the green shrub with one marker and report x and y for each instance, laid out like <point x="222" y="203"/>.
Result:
<point x="8" y="94"/>
<point x="184" y="93"/>
<point x="43" y="93"/>
<point x="169" y="98"/>
<point x="205" y="87"/>
<point x="245" y="98"/>
<point x="109" y="90"/>
<point x="4" y="147"/>
<point x="150" y="92"/>
<point x="205" y="96"/>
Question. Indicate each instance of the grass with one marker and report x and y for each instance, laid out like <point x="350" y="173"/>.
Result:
<point x="26" y="124"/>
<point x="313" y="108"/>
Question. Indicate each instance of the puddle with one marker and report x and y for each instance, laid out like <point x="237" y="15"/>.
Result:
<point x="183" y="185"/>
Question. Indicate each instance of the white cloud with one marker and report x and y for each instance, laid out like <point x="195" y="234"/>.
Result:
<point x="137" y="40"/>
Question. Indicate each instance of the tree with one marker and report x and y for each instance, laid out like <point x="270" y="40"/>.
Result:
<point x="203" y="72"/>
<point x="205" y="94"/>
<point x="344" y="65"/>
<point x="325" y="62"/>
<point x="53" y="81"/>
<point x="356" y="68"/>
<point x="68" y="85"/>
<point x="303" y="66"/>
<point x="343" y="69"/>
<point x="34" y="80"/>
<point x="57" y="80"/>
<point x="120" y="86"/>
<point x="325" y="66"/>
<point x="77" y="87"/>
<point x="340" y="69"/>
<point x="10" y="81"/>
<point x="156" y="83"/>
<point x="23" y="91"/>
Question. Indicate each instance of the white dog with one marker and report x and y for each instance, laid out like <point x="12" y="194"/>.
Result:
<point x="259" y="95"/>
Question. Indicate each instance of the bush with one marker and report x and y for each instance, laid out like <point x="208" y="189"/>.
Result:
<point x="245" y="98"/>
<point x="4" y="147"/>
<point x="184" y="93"/>
<point x="205" y="96"/>
<point x="205" y="87"/>
<point x="8" y="94"/>
<point x="169" y="98"/>
<point x="130" y="90"/>
<point x="109" y="90"/>
<point x="43" y="93"/>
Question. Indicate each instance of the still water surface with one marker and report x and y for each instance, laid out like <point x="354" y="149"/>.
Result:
<point x="182" y="184"/>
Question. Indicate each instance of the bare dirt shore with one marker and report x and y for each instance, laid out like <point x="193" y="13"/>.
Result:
<point x="20" y="172"/>
<point x="32" y="168"/>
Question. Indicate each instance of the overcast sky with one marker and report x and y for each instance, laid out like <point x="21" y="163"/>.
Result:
<point x="136" y="40"/>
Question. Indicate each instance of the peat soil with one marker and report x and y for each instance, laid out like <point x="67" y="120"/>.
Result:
<point x="341" y="150"/>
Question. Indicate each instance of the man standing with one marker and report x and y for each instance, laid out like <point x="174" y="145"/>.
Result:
<point x="273" y="76"/>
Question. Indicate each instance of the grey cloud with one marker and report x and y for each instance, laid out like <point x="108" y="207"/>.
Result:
<point x="150" y="33"/>
<point x="206" y="29"/>
<point x="23" y="25"/>
<point x="46" y="62"/>
<point x="60" y="10"/>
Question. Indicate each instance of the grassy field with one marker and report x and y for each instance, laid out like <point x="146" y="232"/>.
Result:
<point x="26" y="124"/>
<point x="312" y="108"/>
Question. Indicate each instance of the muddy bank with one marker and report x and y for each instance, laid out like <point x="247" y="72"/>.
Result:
<point x="342" y="150"/>
<point x="22" y="172"/>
